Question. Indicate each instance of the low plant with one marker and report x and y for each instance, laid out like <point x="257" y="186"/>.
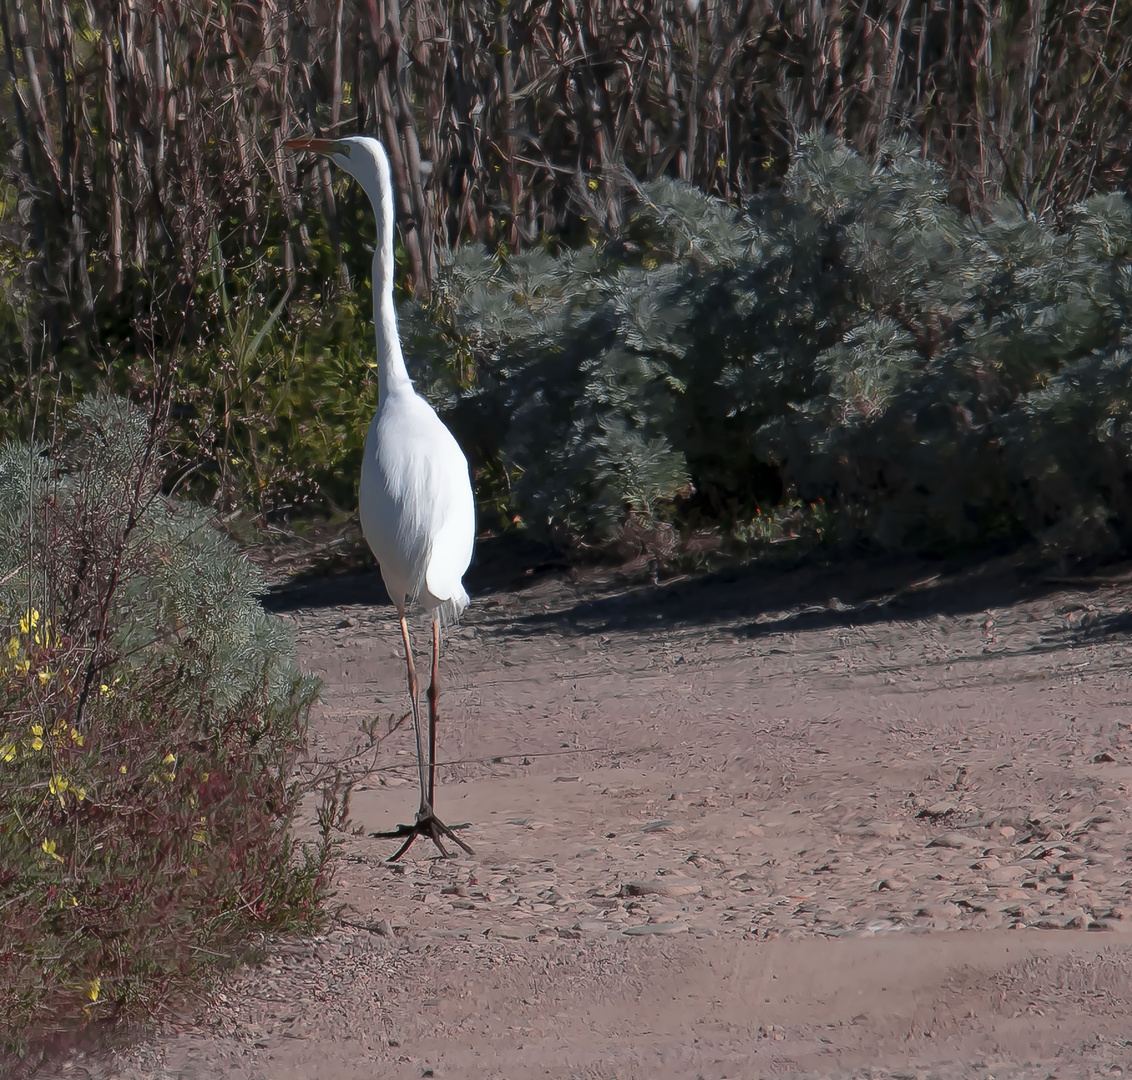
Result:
<point x="151" y="720"/>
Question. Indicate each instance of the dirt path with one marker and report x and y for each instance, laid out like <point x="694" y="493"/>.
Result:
<point x="833" y="822"/>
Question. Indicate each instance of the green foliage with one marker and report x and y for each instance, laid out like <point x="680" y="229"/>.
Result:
<point x="151" y="716"/>
<point x="283" y="424"/>
<point x="942" y="379"/>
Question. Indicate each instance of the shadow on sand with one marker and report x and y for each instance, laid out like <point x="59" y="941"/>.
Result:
<point x="756" y="601"/>
<point x="753" y="600"/>
<point x="500" y="563"/>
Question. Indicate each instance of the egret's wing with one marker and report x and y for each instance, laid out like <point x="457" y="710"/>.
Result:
<point x="452" y="547"/>
<point x="418" y="513"/>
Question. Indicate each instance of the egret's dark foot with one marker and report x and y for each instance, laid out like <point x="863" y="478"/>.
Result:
<point x="427" y="825"/>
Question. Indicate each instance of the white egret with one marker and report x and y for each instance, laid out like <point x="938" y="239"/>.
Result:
<point x="415" y="496"/>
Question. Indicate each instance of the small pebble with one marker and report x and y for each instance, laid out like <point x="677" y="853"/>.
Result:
<point x="655" y="928"/>
<point x="678" y="887"/>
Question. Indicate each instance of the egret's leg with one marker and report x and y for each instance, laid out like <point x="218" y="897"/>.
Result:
<point x="426" y="800"/>
<point x="427" y="823"/>
<point x="433" y="710"/>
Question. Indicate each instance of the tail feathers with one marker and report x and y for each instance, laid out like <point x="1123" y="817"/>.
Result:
<point x="450" y="609"/>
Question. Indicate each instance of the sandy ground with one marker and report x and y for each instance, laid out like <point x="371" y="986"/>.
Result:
<point x="860" y="820"/>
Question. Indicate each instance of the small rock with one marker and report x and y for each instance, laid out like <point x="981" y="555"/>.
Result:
<point x="677" y="887"/>
<point x="885" y="830"/>
<point x="1005" y="875"/>
<point x="956" y="840"/>
<point x="1013" y="894"/>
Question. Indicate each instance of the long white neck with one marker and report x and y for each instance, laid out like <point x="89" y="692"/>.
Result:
<point x="391" y="371"/>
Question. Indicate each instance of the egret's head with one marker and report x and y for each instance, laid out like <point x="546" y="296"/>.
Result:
<point x="364" y="158"/>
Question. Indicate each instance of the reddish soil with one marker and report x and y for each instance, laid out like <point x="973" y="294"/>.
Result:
<point x="864" y="820"/>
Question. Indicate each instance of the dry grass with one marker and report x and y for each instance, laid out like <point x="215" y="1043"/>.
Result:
<point x="140" y="129"/>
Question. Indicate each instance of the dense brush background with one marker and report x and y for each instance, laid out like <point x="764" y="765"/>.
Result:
<point x="667" y="268"/>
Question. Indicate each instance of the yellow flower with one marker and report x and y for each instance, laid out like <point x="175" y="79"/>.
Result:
<point x="8" y="751"/>
<point x="49" y="847"/>
<point x="13" y="648"/>
<point x="76" y="737"/>
<point x="30" y="621"/>
<point x="169" y="759"/>
<point x="58" y="787"/>
<point x="36" y="729"/>
<point x="93" y="989"/>
<point x="122" y="769"/>
<point x="23" y="666"/>
<point x="36" y="743"/>
<point x="44" y="676"/>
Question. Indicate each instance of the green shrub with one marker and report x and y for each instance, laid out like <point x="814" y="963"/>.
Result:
<point x="938" y="379"/>
<point x="151" y="715"/>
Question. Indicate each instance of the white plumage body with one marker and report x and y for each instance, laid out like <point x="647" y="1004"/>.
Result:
<point x="416" y="505"/>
